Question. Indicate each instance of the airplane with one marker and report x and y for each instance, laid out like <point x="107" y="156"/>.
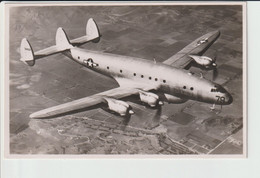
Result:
<point x="154" y="82"/>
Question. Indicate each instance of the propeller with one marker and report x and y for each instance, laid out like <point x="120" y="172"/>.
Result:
<point x="127" y="117"/>
<point x="205" y="63"/>
<point x="158" y="113"/>
<point x="215" y="73"/>
<point x="125" y="121"/>
<point x="214" y="67"/>
<point x="155" y="119"/>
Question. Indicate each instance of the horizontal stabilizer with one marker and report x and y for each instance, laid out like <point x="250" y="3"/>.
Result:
<point x="62" y="44"/>
<point x="29" y="57"/>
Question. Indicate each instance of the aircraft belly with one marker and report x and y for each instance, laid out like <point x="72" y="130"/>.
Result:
<point x="172" y="91"/>
<point x="189" y="95"/>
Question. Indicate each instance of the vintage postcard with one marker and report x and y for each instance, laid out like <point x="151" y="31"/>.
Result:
<point x="158" y="80"/>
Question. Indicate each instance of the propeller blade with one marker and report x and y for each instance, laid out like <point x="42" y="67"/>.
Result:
<point x="157" y="115"/>
<point x="214" y="66"/>
<point x="155" y="119"/>
<point x="215" y="57"/>
<point x="125" y="121"/>
<point x="215" y="73"/>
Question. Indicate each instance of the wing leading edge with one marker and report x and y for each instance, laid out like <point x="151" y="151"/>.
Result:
<point x="197" y="47"/>
<point x="84" y="103"/>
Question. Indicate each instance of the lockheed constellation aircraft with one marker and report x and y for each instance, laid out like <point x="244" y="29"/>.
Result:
<point x="154" y="82"/>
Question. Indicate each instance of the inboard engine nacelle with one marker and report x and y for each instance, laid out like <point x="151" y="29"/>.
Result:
<point x="149" y="98"/>
<point x="119" y="106"/>
<point x="204" y="61"/>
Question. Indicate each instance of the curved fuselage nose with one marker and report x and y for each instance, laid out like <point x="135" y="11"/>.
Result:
<point x="223" y="98"/>
<point x="218" y="94"/>
<point x="198" y="88"/>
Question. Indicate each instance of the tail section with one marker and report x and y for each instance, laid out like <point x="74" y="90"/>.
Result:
<point x="62" y="43"/>
<point x="29" y="57"/>
<point x="26" y="52"/>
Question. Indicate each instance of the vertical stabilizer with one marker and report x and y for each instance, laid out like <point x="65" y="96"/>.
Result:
<point x="62" y="41"/>
<point x="92" y="30"/>
<point x="26" y="52"/>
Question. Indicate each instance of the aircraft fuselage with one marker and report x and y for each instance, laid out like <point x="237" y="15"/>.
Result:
<point x="167" y="79"/>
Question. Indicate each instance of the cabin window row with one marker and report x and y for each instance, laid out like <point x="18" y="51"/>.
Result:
<point x="142" y="76"/>
<point x="150" y="78"/>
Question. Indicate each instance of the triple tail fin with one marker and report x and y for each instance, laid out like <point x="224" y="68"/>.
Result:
<point x="62" y="43"/>
<point x="29" y="57"/>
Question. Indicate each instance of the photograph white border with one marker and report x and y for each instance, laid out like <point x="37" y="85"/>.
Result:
<point x="153" y="168"/>
<point x="5" y="95"/>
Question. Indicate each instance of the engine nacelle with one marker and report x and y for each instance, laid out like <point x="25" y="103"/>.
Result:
<point x="174" y="99"/>
<point x="119" y="106"/>
<point x="150" y="98"/>
<point x="203" y="61"/>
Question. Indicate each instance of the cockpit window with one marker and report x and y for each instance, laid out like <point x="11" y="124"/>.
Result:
<point x="218" y="88"/>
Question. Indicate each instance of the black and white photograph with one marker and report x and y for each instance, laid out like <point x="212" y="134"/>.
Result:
<point x="158" y="80"/>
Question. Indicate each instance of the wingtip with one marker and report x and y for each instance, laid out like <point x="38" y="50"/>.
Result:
<point x="32" y="116"/>
<point x="217" y="32"/>
<point x="37" y="115"/>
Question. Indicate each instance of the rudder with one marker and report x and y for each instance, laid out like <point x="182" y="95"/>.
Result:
<point x="26" y="51"/>
<point x="92" y="31"/>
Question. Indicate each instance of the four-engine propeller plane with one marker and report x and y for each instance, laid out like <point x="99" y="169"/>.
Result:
<point x="155" y="83"/>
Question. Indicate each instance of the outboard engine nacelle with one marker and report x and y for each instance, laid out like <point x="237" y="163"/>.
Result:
<point x="119" y="106"/>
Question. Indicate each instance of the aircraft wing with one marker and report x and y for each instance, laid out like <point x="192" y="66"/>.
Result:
<point x="85" y="103"/>
<point x="197" y="47"/>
